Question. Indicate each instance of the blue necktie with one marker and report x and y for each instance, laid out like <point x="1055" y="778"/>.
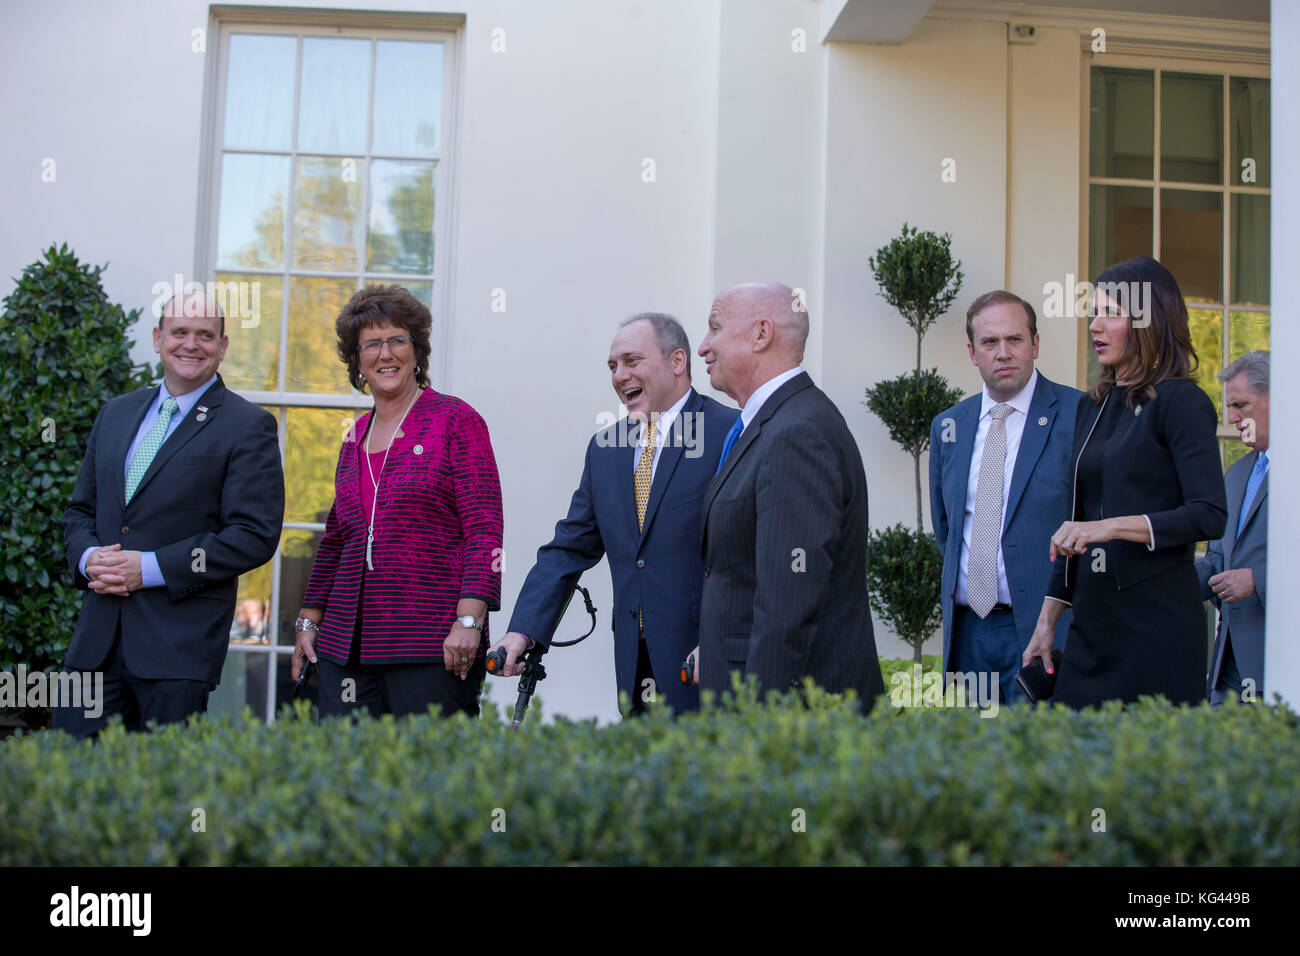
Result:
<point x="730" y="441"/>
<point x="1252" y="488"/>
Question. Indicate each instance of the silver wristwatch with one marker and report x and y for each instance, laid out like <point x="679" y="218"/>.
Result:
<point x="468" y="620"/>
<point x="303" y="623"/>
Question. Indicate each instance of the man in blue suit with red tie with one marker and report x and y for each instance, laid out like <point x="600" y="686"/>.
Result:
<point x="639" y="503"/>
<point x="999" y="488"/>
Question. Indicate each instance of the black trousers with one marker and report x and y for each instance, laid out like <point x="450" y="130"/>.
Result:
<point x="397" y="689"/>
<point x="644" y="686"/>
<point x="137" y="699"/>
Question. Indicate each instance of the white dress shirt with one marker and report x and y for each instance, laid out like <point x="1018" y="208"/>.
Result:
<point x="662" y="429"/>
<point x="761" y="394"/>
<point x="1015" y="426"/>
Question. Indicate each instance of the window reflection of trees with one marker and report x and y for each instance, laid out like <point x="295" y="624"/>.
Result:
<point x="409" y="201"/>
<point x="326" y="228"/>
<point x="326" y="211"/>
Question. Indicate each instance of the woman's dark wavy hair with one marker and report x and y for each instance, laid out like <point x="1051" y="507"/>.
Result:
<point x="1162" y="348"/>
<point x="373" y="305"/>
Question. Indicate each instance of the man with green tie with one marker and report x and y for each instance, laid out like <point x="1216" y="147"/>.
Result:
<point x="181" y="491"/>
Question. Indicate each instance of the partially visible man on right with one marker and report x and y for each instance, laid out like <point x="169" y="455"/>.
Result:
<point x="1234" y="571"/>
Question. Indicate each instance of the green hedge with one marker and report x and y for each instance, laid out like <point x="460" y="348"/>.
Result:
<point x="911" y="786"/>
<point x="67" y="352"/>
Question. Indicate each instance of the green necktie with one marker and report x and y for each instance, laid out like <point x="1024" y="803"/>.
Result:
<point x="153" y="440"/>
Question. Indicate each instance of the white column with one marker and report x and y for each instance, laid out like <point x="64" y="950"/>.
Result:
<point x="1282" y="643"/>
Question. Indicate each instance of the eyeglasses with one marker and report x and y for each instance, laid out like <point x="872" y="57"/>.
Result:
<point x="371" y="346"/>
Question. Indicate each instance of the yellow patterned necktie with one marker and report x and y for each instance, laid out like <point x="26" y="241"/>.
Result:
<point x="641" y="484"/>
<point x="644" y="472"/>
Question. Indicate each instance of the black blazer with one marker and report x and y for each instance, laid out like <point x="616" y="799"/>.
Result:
<point x="784" y="544"/>
<point x="1163" y="462"/>
<point x="215" y="485"/>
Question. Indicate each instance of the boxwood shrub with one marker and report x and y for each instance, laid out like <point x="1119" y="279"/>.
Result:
<point x="738" y="783"/>
<point x="67" y="352"/>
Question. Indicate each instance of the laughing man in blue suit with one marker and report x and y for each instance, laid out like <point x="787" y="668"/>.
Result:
<point x="639" y="505"/>
<point x="999" y="488"/>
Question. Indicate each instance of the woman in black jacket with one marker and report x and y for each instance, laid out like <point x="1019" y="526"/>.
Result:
<point x="1148" y="485"/>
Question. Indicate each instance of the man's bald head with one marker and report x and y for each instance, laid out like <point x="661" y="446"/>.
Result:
<point x="756" y="331"/>
<point x="775" y="301"/>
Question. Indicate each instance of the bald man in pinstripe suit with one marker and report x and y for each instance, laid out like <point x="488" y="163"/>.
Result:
<point x="784" y="534"/>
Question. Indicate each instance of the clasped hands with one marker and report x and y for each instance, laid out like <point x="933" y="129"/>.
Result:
<point x="114" y="571"/>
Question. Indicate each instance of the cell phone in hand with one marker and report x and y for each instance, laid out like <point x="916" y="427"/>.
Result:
<point x="308" y="669"/>
<point x="1034" y="681"/>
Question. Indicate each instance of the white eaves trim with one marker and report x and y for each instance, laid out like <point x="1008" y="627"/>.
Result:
<point x="1203" y="38"/>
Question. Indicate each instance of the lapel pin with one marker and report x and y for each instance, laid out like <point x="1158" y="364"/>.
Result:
<point x="1137" y="411"/>
<point x="202" y="416"/>
<point x="1043" y="420"/>
<point x="418" y="449"/>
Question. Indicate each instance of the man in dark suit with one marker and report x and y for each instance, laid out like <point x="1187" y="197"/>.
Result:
<point x="999" y="488"/>
<point x="785" y="518"/>
<point x="638" y="503"/>
<point x="1234" y="571"/>
<point x="181" y="491"/>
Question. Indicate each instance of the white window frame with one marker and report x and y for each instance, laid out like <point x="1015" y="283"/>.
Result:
<point x="1226" y="68"/>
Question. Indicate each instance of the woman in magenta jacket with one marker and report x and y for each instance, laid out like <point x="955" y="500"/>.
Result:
<point x="409" y="564"/>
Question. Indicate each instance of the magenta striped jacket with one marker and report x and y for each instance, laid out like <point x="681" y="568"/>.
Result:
<point x="438" y="532"/>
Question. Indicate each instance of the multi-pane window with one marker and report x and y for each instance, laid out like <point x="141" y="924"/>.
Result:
<point x="1179" y="169"/>
<point x="327" y="157"/>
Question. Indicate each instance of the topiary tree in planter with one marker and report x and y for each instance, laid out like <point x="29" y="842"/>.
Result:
<point x="68" y="354"/>
<point x="918" y="277"/>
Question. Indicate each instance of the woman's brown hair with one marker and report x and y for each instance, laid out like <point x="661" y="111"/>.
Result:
<point x="1159" y="336"/>
<point x="372" y="306"/>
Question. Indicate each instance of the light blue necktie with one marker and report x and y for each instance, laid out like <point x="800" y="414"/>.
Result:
<point x="1252" y="489"/>
<point x="730" y="441"/>
<point x="153" y="440"/>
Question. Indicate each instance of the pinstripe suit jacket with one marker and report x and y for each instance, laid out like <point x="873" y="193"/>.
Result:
<point x="784" y="542"/>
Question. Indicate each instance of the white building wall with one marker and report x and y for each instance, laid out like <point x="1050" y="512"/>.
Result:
<point x="1281" y="648"/>
<point x="895" y="114"/>
<point x="771" y="144"/>
<point x="112" y="95"/>
<point x="1043" y="186"/>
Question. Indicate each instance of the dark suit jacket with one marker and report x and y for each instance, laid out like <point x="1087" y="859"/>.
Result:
<point x="1163" y="462"/>
<point x="1244" y="620"/>
<point x="785" y="544"/>
<point x="1037" y="504"/>
<point x="657" y="571"/>
<point x="215" y="485"/>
